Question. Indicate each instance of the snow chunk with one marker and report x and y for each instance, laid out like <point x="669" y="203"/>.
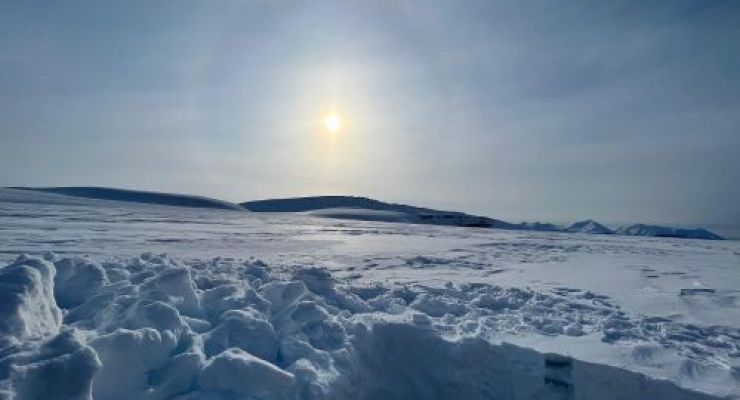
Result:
<point x="219" y="299"/>
<point x="27" y="305"/>
<point x="61" y="368"/>
<point x="176" y="284"/>
<point x="243" y="374"/>
<point x="244" y="329"/>
<point x="282" y="295"/>
<point x="129" y="358"/>
<point x="77" y="280"/>
<point x="155" y="314"/>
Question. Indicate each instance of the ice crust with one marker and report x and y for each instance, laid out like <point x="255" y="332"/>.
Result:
<point x="155" y="328"/>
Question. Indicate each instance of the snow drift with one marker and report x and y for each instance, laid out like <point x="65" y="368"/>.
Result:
<point x="154" y="328"/>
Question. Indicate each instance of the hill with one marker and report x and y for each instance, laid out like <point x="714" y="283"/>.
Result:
<point x="137" y="196"/>
<point x="664" y="231"/>
<point x="589" y="226"/>
<point x="363" y="208"/>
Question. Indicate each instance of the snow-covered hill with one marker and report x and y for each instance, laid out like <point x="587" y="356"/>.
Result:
<point x="138" y="196"/>
<point x="339" y="207"/>
<point x="364" y="209"/>
<point x="663" y="231"/>
<point x="589" y="226"/>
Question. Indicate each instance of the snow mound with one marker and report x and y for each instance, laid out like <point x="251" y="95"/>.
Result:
<point x="663" y="231"/>
<point x="62" y="367"/>
<point x="137" y="196"/>
<point x="27" y="306"/>
<point x="227" y="329"/>
<point x="238" y="372"/>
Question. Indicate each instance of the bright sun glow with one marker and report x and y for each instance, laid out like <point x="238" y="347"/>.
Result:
<point x="332" y="122"/>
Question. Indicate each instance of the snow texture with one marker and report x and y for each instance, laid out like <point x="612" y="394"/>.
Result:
<point x="268" y="306"/>
<point x="228" y="329"/>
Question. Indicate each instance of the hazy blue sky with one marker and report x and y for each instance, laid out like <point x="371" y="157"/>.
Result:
<point x="617" y="110"/>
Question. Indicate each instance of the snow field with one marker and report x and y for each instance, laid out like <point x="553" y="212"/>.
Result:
<point x="155" y="328"/>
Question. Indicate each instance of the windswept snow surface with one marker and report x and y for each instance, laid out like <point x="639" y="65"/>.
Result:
<point x="277" y="306"/>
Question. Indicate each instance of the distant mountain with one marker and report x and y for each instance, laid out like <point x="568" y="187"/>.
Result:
<point x="351" y="207"/>
<point x="137" y="196"/>
<point x="540" y="226"/>
<point x="589" y="226"/>
<point x="366" y="209"/>
<point x="664" y="231"/>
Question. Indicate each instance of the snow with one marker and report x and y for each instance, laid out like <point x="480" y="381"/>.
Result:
<point x="276" y="306"/>
<point x="365" y="209"/>
<point x="60" y="368"/>
<point x="662" y="231"/>
<point x="27" y="296"/>
<point x="336" y="207"/>
<point x="589" y="226"/>
<point x="137" y="196"/>
<point x="238" y="372"/>
<point x="362" y="214"/>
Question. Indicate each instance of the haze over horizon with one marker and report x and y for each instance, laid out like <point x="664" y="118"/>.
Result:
<point x="614" y="111"/>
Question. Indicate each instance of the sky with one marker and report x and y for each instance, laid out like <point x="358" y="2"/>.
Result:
<point x="549" y="110"/>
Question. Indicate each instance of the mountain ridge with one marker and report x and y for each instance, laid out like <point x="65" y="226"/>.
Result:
<point x="365" y="208"/>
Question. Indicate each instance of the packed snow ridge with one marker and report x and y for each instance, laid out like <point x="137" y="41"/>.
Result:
<point x="155" y="328"/>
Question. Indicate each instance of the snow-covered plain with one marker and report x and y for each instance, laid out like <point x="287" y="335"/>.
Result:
<point x="128" y="301"/>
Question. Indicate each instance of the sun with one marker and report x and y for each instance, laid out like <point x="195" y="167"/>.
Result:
<point x="332" y="122"/>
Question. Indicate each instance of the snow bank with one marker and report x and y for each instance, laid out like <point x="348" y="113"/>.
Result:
<point x="155" y="328"/>
<point x="403" y="361"/>
<point x="237" y="372"/>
